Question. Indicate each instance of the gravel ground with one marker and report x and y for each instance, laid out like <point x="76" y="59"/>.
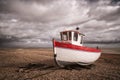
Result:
<point x="38" y="64"/>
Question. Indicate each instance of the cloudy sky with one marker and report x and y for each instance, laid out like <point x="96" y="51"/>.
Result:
<point x="33" y="23"/>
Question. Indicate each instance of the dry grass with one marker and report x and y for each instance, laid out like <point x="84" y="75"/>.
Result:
<point x="38" y="64"/>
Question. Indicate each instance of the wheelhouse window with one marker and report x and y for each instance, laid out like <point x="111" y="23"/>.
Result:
<point x="64" y="36"/>
<point x="75" y="36"/>
<point x="81" y="40"/>
<point x="70" y="35"/>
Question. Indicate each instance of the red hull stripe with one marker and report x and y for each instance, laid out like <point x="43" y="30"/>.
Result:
<point x="70" y="46"/>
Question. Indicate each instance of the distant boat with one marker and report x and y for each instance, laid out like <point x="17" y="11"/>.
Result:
<point x="70" y="50"/>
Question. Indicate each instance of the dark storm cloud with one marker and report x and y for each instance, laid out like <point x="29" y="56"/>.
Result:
<point x="6" y="39"/>
<point x="3" y="6"/>
<point x="36" y="22"/>
<point x="112" y="16"/>
<point x="114" y="2"/>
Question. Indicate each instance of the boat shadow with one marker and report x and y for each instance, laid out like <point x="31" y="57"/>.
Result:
<point x="43" y="66"/>
<point x="45" y="69"/>
<point x="79" y="67"/>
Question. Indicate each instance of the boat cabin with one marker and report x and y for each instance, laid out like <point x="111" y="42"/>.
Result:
<point x="72" y="36"/>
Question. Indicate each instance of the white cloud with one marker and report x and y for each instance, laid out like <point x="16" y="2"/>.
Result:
<point x="38" y="22"/>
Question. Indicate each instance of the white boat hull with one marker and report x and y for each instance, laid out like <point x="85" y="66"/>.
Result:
<point x="76" y="56"/>
<point x="68" y="53"/>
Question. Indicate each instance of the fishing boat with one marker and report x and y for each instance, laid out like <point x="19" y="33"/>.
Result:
<point x="70" y="50"/>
